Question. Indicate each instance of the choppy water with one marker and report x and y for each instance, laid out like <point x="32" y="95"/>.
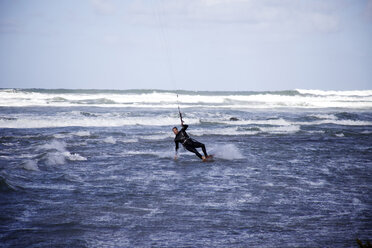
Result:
<point x="95" y="169"/>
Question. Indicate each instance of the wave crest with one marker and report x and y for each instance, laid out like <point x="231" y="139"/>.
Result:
<point x="299" y="98"/>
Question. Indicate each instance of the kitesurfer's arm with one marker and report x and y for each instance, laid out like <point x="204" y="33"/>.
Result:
<point x="184" y="127"/>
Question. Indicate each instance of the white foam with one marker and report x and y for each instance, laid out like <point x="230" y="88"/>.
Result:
<point x="26" y="156"/>
<point x="31" y="165"/>
<point x="232" y="131"/>
<point x="337" y="122"/>
<point x="74" y="156"/>
<point x="279" y="121"/>
<point x="138" y="153"/>
<point x="61" y="136"/>
<point x="57" y="153"/>
<point x="228" y="131"/>
<point x="340" y="135"/>
<point x="130" y="140"/>
<point x="55" y="158"/>
<point x="281" y="129"/>
<point x="323" y="119"/>
<point x="82" y="133"/>
<point x="325" y="116"/>
<point x="71" y="121"/>
<point x="226" y="151"/>
<point x="306" y="99"/>
<point x="54" y="145"/>
<point x="27" y="121"/>
<point x="366" y="132"/>
<point x="316" y="131"/>
<point x="110" y="140"/>
<point x="317" y="183"/>
<point x="161" y="154"/>
<point x="147" y="152"/>
<point x="338" y="93"/>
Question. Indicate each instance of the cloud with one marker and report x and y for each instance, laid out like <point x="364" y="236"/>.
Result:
<point x="257" y="15"/>
<point x="287" y="15"/>
<point x="103" y="7"/>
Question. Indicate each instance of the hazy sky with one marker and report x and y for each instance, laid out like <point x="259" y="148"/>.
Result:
<point x="186" y="44"/>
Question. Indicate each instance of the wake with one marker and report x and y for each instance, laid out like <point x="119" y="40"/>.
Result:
<point x="227" y="152"/>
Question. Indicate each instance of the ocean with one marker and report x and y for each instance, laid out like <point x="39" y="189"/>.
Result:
<point x="96" y="168"/>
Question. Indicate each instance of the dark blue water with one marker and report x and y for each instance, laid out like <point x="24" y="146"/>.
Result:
<point x="281" y="178"/>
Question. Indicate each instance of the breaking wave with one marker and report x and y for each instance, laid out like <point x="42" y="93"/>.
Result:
<point x="72" y="119"/>
<point x="56" y="153"/>
<point x="168" y="99"/>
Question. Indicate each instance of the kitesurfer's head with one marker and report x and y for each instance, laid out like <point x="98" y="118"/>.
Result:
<point x="175" y="130"/>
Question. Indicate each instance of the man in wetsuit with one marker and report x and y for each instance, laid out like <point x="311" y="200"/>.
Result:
<point x="187" y="142"/>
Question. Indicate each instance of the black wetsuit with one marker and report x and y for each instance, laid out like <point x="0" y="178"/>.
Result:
<point x="189" y="143"/>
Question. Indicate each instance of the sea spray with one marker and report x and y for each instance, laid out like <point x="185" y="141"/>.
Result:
<point x="227" y="151"/>
<point x="30" y="165"/>
<point x="57" y="153"/>
<point x="54" y="145"/>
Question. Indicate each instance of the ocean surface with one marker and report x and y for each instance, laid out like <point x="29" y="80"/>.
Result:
<point x="96" y="168"/>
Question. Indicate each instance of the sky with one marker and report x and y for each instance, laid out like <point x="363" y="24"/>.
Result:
<point x="230" y="45"/>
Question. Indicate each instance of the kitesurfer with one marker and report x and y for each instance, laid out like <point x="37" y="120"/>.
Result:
<point x="187" y="142"/>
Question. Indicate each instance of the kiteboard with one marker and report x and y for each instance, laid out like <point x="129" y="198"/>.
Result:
<point x="209" y="158"/>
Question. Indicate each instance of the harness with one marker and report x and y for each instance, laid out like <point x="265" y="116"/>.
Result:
<point x="184" y="142"/>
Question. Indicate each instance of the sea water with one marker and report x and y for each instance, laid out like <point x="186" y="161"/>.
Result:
<point x="96" y="168"/>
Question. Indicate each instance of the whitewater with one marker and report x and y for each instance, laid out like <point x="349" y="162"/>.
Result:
<point x="96" y="168"/>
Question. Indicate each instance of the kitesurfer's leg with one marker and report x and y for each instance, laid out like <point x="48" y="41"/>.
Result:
<point x="197" y="144"/>
<point x="191" y="148"/>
